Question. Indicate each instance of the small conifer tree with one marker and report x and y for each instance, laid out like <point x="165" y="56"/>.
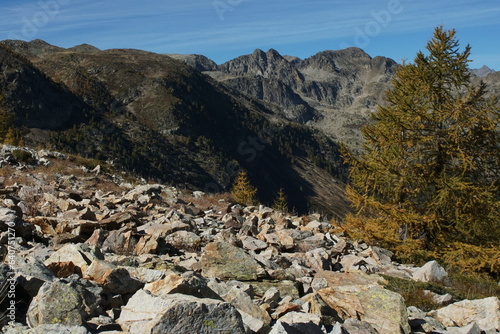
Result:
<point x="243" y="191"/>
<point x="280" y="203"/>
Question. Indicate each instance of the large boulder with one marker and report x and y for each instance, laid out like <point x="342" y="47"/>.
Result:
<point x="485" y="312"/>
<point x="81" y="255"/>
<point x="47" y="329"/>
<point x="225" y="261"/>
<point x="430" y="272"/>
<point x="57" y="303"/>
<point x="385" y="310"/>
<point x="358" y="295"/>
<point x="180" y="314"/>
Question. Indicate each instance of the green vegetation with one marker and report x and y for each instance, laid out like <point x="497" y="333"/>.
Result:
<point x="459" y="286"/>
<point x="426" y="184"/>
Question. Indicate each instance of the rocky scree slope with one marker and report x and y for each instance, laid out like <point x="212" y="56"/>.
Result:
<point x="164" y="120"/>
<point x="96" y="254"/>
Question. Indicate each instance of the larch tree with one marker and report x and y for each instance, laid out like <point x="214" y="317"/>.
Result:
<point x="427" y="180"/>
<point x="242" y="190"/>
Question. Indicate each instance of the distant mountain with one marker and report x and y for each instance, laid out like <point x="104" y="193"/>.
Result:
<point x="333" y="91"/>
<point x="482" y="72"/>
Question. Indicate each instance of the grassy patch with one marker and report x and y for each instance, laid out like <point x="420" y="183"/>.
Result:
<point x="459" y="286"/>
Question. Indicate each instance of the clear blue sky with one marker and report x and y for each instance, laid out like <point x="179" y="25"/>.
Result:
<point x="224" y="29"/>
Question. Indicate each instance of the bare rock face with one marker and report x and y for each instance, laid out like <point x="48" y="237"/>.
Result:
<point x="145" y="313"/>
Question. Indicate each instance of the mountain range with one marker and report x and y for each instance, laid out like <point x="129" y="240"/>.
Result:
<point x="187" y="121"/>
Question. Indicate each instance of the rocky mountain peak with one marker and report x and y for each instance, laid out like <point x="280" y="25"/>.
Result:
<point x="483" y="71"/>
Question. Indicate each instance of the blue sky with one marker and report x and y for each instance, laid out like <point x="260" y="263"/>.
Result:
<point x="224" y="29"/>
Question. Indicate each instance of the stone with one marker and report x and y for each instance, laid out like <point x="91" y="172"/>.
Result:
<point x="253" y="244"/>
<point x="485" y="312"/>
<point x="81" y="255"/>
<point x="354" y="326"/>
<point x="472" y="328"/>
<point x="385" y="310"/>
<point x="295" y="328"/>
<point x="243" y="302"/>
<point x="184" y="240"/>
<point x="56" y="303"/>
<point x="122" y="241"/>
<point x="47" y="329"/>
<point x="146" y="313"/>
<point x="31" y="274"/>
<point x="299" y="317"/>
<point x="314" y="304"/>
<point x="430" y="272"/>
<point x="119" y="281"/>
<point x="358" y="295"/>
<point x="225" y="261"/>
<point x="187" y="283"/>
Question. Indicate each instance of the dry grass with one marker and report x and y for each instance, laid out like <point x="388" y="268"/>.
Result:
<point x="208" y="201"/>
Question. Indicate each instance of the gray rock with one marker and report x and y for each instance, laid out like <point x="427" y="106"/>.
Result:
<point x="295" y="328"/>
<point x="48" y="329"/>
<point x="57" y="303"/>
<point x="354" y="326"/>
<point x="31" y="274"/>
<point x="472" y="328"/>
<point x="145" y="313"/>
<point x="225" y="261"/>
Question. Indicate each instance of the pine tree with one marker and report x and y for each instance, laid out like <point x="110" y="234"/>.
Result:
<point x="243" y="191"/>
<point x="428" y="174"/>
<point x="280" y="203"/>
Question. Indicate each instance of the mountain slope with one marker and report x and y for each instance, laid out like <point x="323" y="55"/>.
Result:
<point x="162" y="119"/>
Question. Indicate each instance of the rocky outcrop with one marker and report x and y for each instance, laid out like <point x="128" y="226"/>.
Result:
<point x="147" y="259"/>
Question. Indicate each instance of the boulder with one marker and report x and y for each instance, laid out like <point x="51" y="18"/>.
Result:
<point x="31" y="274"/>
<point x="472" y="328"/>
<point x="385" y="310"/>
<point x="354" y="326"/>
<point x="360" y="296"/>
<point x="56" y="303"/>
<point x="180" y="314"/>
<point x="430" y="272"/>
<point x="81" y="255"/>
<point x="225" y="261"/>
<point x="485" y="312"/>
<point x="187" y="283"/>
<point x="295" y="328"/>
<point x="47" y="329"/>
<point x="184" y="240"/>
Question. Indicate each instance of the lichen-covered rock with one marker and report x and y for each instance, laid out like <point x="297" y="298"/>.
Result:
<point x="56" y="303"/>
<point x="225" y="261"/>
<point x="385" y="310"/>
